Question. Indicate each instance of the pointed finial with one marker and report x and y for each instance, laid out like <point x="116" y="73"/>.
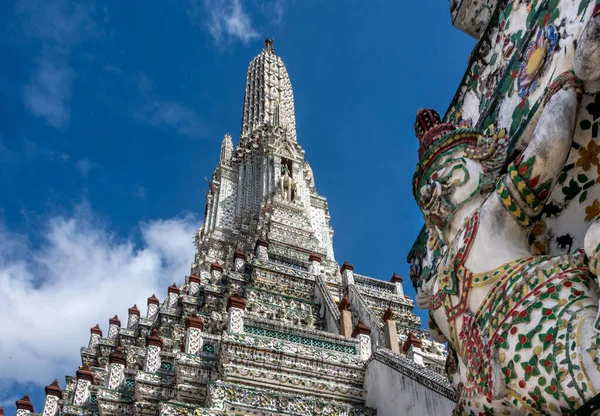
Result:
<point x="269" y="45"/>
<point x="84" y="372"/>
<point x="25" y="404"/>
<point x="153" y="300"/>
<point x="388" y="314"/>
<point x="134" y="310"/>
<point x="360" y="329"/>
<point x="154" y="339"/>
<point x="54" y="389"/>
<point x="96" y="330"/>
<point x="344" y="304"/>
<point x="194" y="321"/>
<point x="411" y="339"/>
<point x="117" y="357"/>
<point x="114" y="321"/>
<point x="346" y="266"/>
<point x="396" y="278"/>
<point x="236" y="301"/>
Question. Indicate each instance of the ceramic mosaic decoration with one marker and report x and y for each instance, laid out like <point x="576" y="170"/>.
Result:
<point x="507" y="182"/>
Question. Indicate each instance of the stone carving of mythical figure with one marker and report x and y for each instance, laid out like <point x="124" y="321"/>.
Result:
<point x="287" y="184"/>
<point x="308" y="175"/>
<point x="522" y="329"/>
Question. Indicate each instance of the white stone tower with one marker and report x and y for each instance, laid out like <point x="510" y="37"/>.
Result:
<point x="265" y="187"/>
<point x="267" y="322"/>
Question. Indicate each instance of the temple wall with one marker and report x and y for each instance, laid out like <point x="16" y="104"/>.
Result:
<point x="393" y="393"/>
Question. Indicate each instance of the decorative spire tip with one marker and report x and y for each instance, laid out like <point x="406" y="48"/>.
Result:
<point x="269" y="45"/>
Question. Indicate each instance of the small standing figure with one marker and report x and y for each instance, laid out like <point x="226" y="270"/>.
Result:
<point x="287" y="184"/>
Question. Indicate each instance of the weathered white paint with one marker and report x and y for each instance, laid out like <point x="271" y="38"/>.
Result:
<point x="392" y="394"/>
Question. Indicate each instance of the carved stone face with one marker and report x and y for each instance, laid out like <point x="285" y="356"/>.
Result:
<point x="448" y="185"/>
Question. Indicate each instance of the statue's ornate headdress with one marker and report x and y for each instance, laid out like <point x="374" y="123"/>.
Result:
<point x="437" y="139"/>
<point x="429" y="128"/>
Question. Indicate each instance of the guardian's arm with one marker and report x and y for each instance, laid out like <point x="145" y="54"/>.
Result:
<point x="530" y="179"/>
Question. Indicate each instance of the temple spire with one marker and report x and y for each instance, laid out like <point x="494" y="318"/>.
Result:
<point x="226" y="149"/>
<point x="268" y="98"/>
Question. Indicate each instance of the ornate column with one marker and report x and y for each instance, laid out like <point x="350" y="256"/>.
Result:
<point x="315" y="263"/>
<point x="193" y="285"/>
<point x="263" y="176"/>
<point x="173" y="293"/>
<point x="154" y="346"/>
<point x="114" y="324"/>
<point x="194" y="325"/>
<point x="152" y="307"/>
<point x="261" y="249"/>
<point x="134" y="317"/>
<point x="347" y="271"/>
<point x="397" y="280"/>
<point x="116" y="367"/>
<point x="239" y="261"/>
<point x="216" y="271"/>
<point x="276" y="171"/>
<point x="96" y="334"/>
<point x="24" y="406"/>
<point x="270" y="174"/>
<point x="362" y="333"/>
<point x="209" y="210"/>
<point x="53" y="395"/>
<point x="390" y="334"/>
<point x="345" y="317"/>
<point x="236" y="306"/>
<point x="82" y="389"/>
<point x="239" y="193"/>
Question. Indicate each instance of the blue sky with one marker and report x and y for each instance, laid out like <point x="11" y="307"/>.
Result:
<point x="112" y="114"/>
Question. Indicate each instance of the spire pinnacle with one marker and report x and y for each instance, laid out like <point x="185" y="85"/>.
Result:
<point x="269" y="45"/>
<point x="268" y="97"/>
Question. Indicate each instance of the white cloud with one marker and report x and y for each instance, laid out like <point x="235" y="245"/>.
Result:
<point x="140" y="192"/>
<point x="48" y="93"/>
<point x="224" y="19"/>
<point x="6" y="155"/>
<point x="79" y="274"/>
<point x="85" y="166"/>
<point x="167" y="114"/>
<point x="32" y="150"/>
<point x="10" y="401"/>
<point x="59" y="26"/>
<point x="273" y="10"/>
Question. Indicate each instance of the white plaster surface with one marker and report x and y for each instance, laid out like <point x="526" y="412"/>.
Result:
<point x="394" y="394"/>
